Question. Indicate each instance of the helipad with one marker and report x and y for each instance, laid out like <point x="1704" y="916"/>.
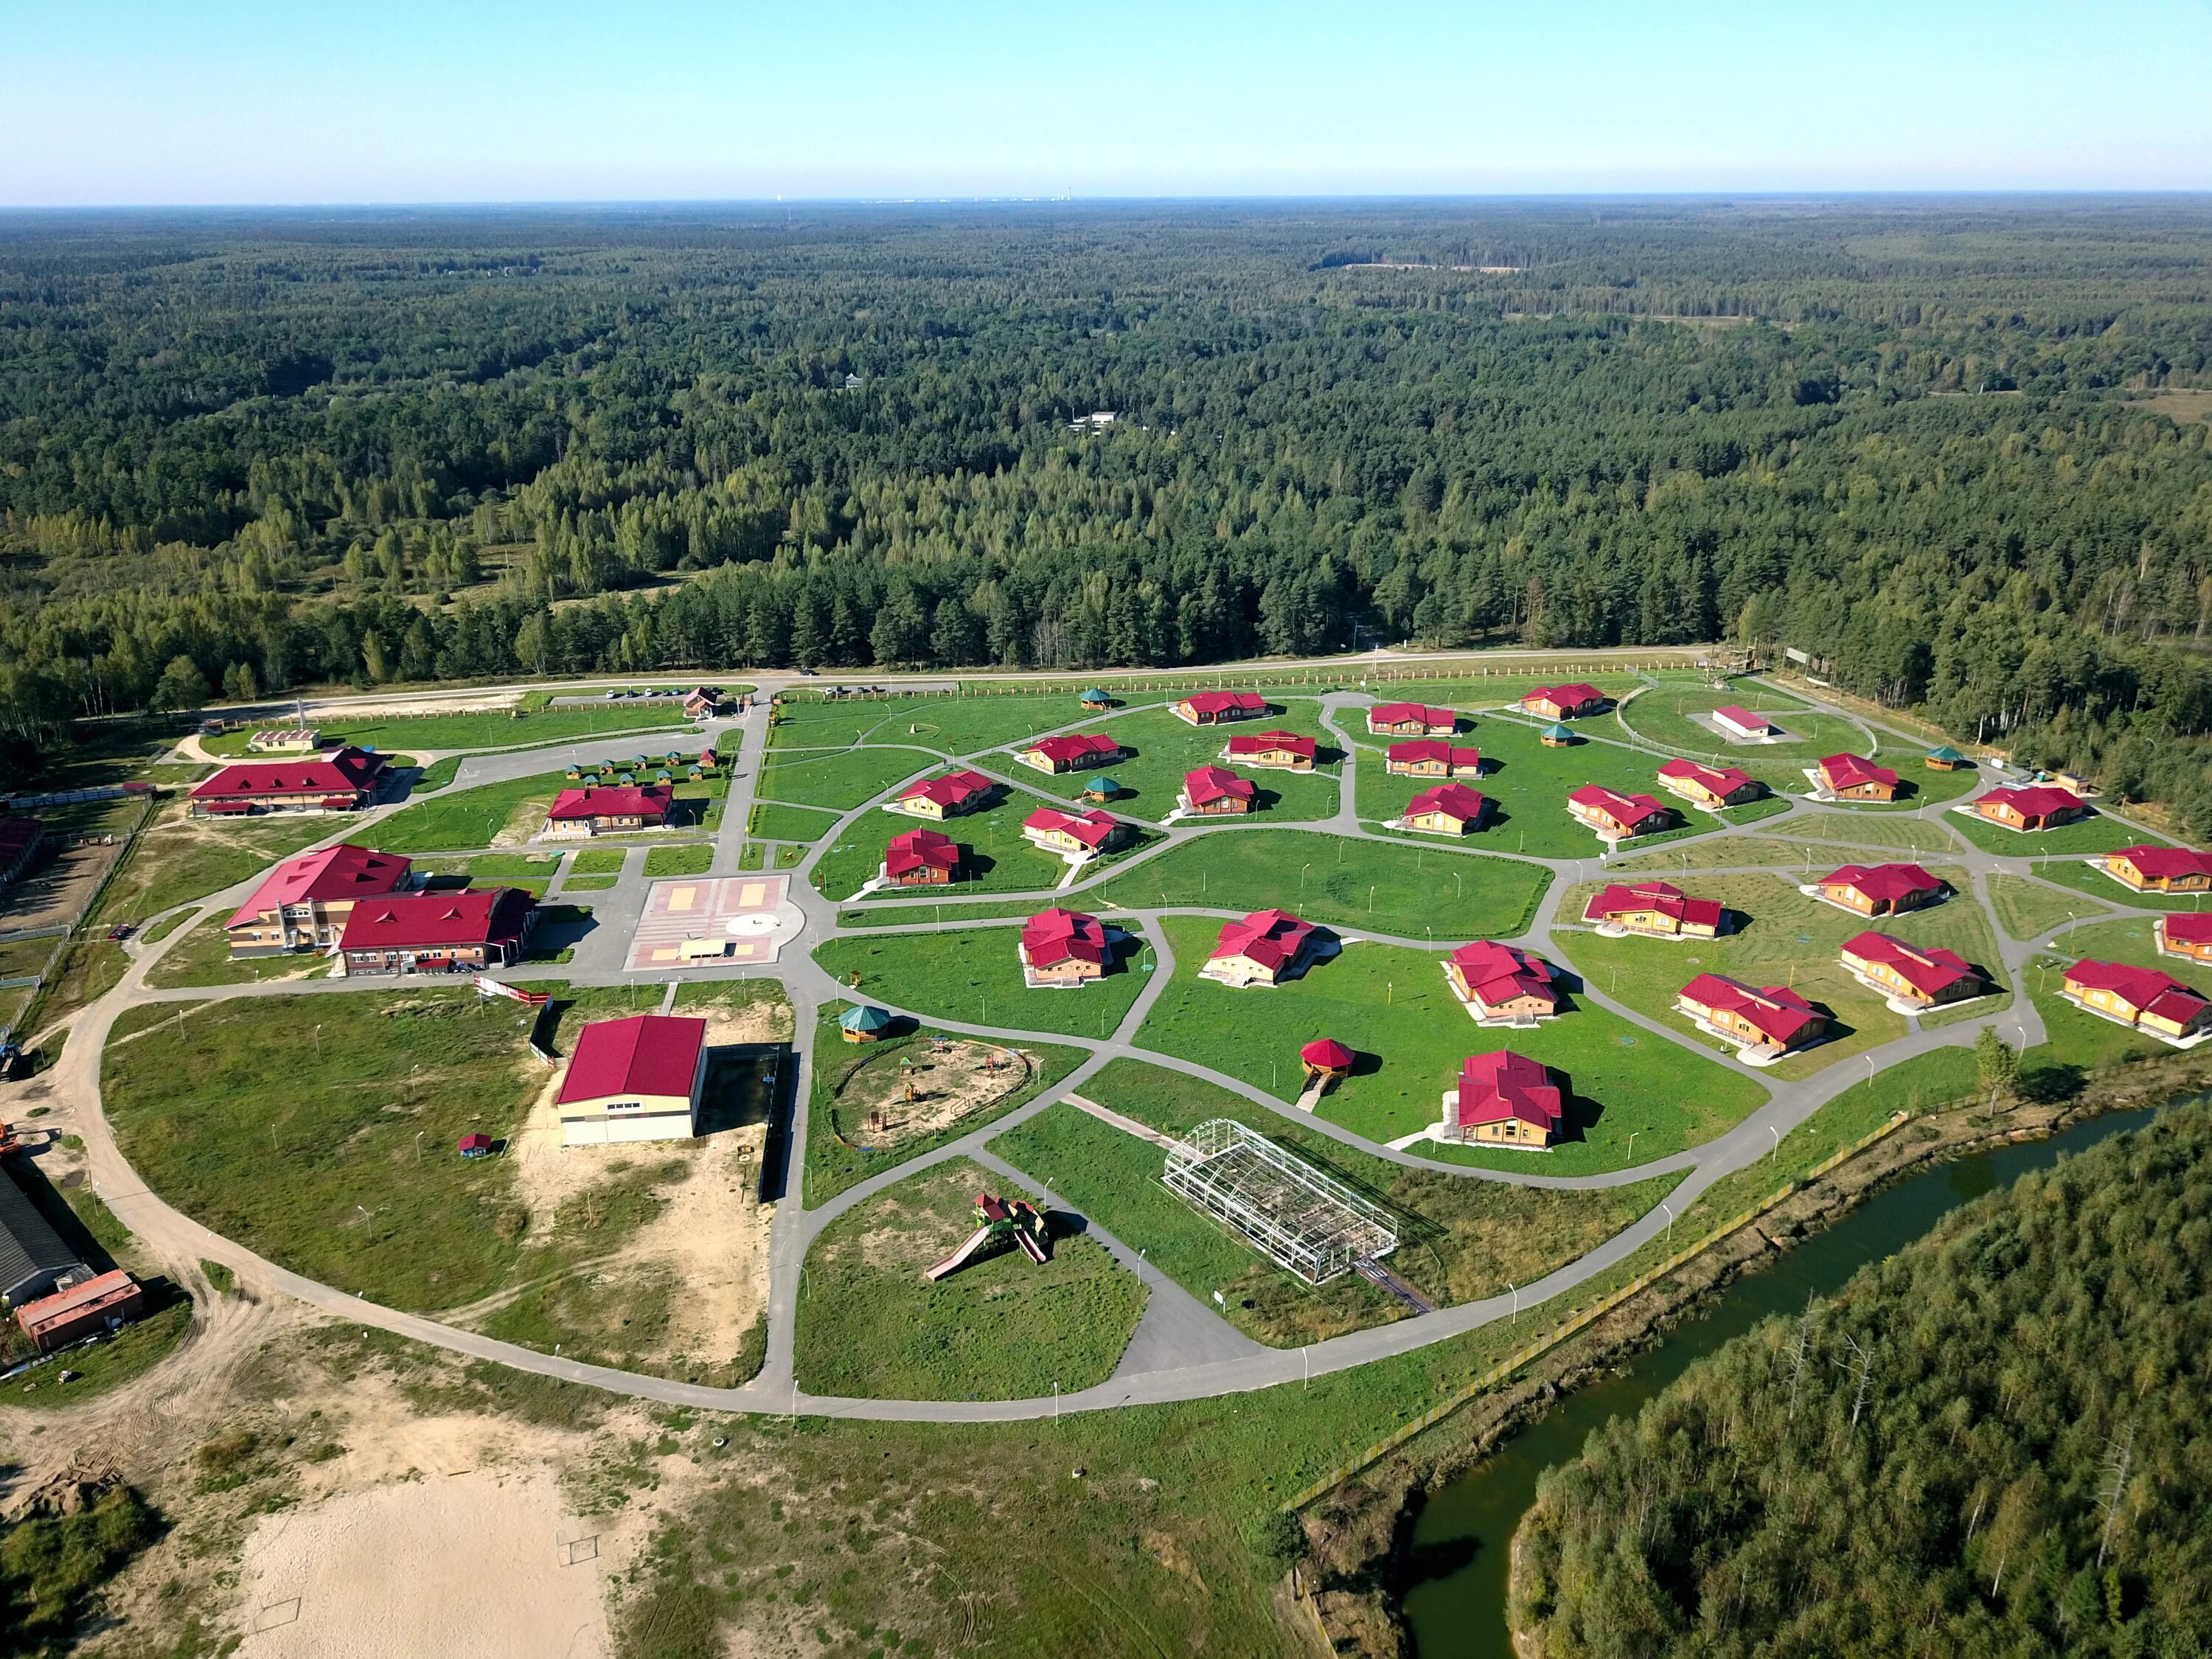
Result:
<point x="710" y="921"/>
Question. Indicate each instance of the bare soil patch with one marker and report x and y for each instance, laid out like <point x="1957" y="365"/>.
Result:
<point x="57" y="891"/>
<point x="919" y="1090"/>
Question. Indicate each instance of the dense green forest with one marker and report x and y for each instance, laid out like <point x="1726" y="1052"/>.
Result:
<point x="1993" y="1443"/>
<point x="1944" y="444"/>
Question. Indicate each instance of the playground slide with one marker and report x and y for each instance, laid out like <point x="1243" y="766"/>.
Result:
<point x="1035" y="1250"/>
<point x="958" y="1259"/>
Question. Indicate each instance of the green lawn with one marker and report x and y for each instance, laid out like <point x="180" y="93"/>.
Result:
<point x="690" y="859"/>
<point x="590" y="883"/>
<point x="2082" y="877"/>
<point x="774" y="822"/>
<point x="322" y="1137"/>
<point x="435" y="776"/>
<point x="842" y="778"/>
<point x="904" y="915"/>
<point x="2073" y="1037"/>
<point x="1662" y="717"/>
<point x="973" y="975"/>
<point x="1715" y="853"/>
<point x="1391" y="1006"/>
<point x="2095" y="834"/>
<point x="998" y="859"/>
<point x="1868" y="828"/>
<point x="494" y="729"/>
<point x="132" y="1352"/>
<point x="598" y="861"/>
<point x="469" y="818"/>
<point x="2027" y="909"/>
<point x="959" y="726"/>
<point x="203" y="958"/>
<point x="1165" y="748"/>
<point x="834" y="1164"/>
<point x="179" y="859"/>
<point x="1335" y="879"/>
<point x="1001" y="1329"/>
<point x="1462" y="1238"/>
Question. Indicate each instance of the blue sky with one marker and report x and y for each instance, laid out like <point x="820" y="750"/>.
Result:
<point x="338" y="101"/>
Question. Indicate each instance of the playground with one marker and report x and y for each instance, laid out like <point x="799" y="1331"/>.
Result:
<point x="924" y="1087"/>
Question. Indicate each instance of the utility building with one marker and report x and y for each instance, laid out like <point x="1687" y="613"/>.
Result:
<point x="634" y="1080"/>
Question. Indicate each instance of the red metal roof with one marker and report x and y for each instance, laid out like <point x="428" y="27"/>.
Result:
<point x="1656" y="895"/>
<point x="1435" y="749"/>
<point x="1384" y="715"/>
<point x="1257" y="743"/>
<point x="348" y="772"/>
<point x="1222" y="702"/>
<point x="1775" y="1012"/>
<point x="419" y="922"/>
<point x="2165" y="863"/>
<point x="1213" y="783"/>
<point x="1093" y="828"/>
<point x="1572" y="695"/>
<point x="1503" y="1084"/>
<point x="1271" y="937"/>
<point x="1628" y="809"/>
<point x="1499" y="973"/>
<point x="614" y="800"/>
<point x="1051" y="937"/>
<point x="1454" y="800"/>
<point x="953" y="789"/>
<point x="2035" y="800"/>
<point x="2145" y="989"/>
<point x="1929" y="970"/>
<point x="918" y="848"/>
<point x="1722" y="781"/>
<point x="1736" y="715"/>
<point x="89" y="1296"/>
<point x="1883" y="883"/>
<point x="1064" y="750"/>
<point x="334" y="873"/>
<point x="644" y="1054"/>
<point x="2187" y="926"/>
<point x="1849" y="771"/>
<point x="1329" y="1053"/>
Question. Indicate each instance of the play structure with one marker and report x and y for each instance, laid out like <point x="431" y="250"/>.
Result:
<point x="997" y="1221"/>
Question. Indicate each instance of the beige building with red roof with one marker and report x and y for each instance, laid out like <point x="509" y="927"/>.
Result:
<point x="2185" y="933"/>
<point x="1062" y="948"/>
<point x="303" y="903"/>
<point x="1216" y="791"/>
<point x="1708" y="786"/>
<point x="1655" y="909"/>
<point x="1915" y="976"/>
<point x="1503" y="1099"/>
<point x="1432" y="758"/>
<point x="1501" y="984"/>
<point x="1265" y="948"/>
<point x="2159" y="869"/>
<point x="1447" y="808"/>
<point x="1282" y="751"/>
<point x="1852" y="777"/>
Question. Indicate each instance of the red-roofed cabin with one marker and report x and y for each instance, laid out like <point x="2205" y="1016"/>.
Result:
<point x="2186" y="933"/>
<point x="1212" y="708"/>
<point x="1502" y="982"/>
<point x="1432" y="758"/>
<point x="945" y="797"/>
<point x="1447" y="808"/>
<point x="1409" y="719"/>
<point x="638" y="1078"/>
<point x="1503" y="1099"/>
<point x="104" y="1302"/>
<point x="1069" y="754"/>
<point x="1056" y="829"/>
<point x="2140" y="997"/>
<point x="1850" y="777"/>
<point x="1739" y="721"/>
<point x="1709" y="786"/>
<point x="1216" y="791"/>
<point x="1063" y="947"/>
<point x="342" y="782"/>
<point x="1924" y="975"/>
<point x="437" y="933"/>
<point x="1768" y="1018"/>
<point x="1880" y="890"/>
<point x="1616" y="816"/>
<point x="1265" y="948"/>
<point x="303" y="903"/>
<point x="2160" y="869"/>
<point x="700" y="702"/>
<point x="1562" y="702"/>
<point x="1656" y="909"/>
<point x="610" y="809"/>
<point x="2038" y="806"/>
<point x="1285" y="751"/>
<point x="920" y="858"/>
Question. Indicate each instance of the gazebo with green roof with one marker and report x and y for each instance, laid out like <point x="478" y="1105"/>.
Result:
<point x="1101" y="789"/>
<point x="1945" y="759"/>
<point x="862" y="1024"/>
<point x="1094" y="698"/>
<point x="1556" y="736"/>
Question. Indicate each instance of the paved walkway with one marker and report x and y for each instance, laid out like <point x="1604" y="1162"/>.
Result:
<point x="1182" y="1349"/>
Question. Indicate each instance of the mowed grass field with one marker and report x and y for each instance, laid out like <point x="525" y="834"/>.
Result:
<point x="996" y="859"/>
<point x="1462" y="1238"/>
<point x="973" y="975"/>
<point x="461" y="819"/>
<point x="322" y="1137"/>
<point x="2073" y="1037"/>
<point x="490" y="729"/>
<point x="1165" y="748"/>
<point x="2027" y="909"/>
<point x="2078" y="874"/>
<point x="1393" y="889"/>
<point x="2094" y="834"/>
<point x="957" y="725"/>
<point x="1392" y="1007"/>
<point x="1003" y="1328"/>
<point x="838" y="779"/>
<point x="203" y="958"/>
<point x="774" y="822"/>
<point x="177" y="859"/>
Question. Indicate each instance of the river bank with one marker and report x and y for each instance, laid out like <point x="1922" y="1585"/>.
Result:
<point x="1363" y="1551"/>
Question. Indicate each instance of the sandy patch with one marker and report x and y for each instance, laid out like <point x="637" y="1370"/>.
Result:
<point x="918" y="1090"/>
<point x="475" y="1563"/>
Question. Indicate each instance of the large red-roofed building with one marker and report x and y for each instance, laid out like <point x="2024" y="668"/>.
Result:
<point x="1852" y="777"/>
<point x="2160" y="869"/>
<point x="2140" y="997"/>
<point x="1502" y="982"/>
<point x="1212" y="708"/>
<point x="1265" y="948"/>
<point x="449" y="933"/>
<point x="945" y="797"/>
<point x="342" y="783"/>
<point x="1069" y="754"/>
<point x="303" y="903"/>
<point x="1216" y="791"/>
<point x="1284" y="751"/>
<point x="1409" y="719"/>
<point x="631" y="1079"/>
<point x="1560" y="702"/>
<point x="609" y="809"/>
<point x="1432" y="758"/>
<point x="2185" y="933"/>
<point x="104" y="1302"/>
<point x="1740" y="721"/>
<point x="1765" y="1017"/>
<point x="1616" y="817"/>
<point x="1446" y="809"/>
<point x="1063" y="947"/>
<point x="1924" y="975"/>
<point x="1503" y="1099"/>
<point x="920" y="858"/>
<point x="2037" y="806"/>
<point x="1654" y="908"/>
<point x="1059" y="829"/>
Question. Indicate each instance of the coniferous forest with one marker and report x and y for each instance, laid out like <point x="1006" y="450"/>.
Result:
<point x="1956" y="449"/>
<point x="1993" y="1443"/>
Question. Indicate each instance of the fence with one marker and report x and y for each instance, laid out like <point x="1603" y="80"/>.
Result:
<point x="1588" y="1316"/>
<point x="65" y="935"/>
<point x="70" y="797"/>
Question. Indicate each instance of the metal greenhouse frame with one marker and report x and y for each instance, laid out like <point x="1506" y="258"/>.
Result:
<point x="1297" y="1216"/>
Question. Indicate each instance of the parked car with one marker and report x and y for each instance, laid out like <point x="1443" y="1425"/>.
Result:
<point x="121" y="931"/>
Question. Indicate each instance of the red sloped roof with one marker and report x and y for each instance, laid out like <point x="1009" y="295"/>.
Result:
<point x="1849" y="771"/>
<point x="1454" y="800"/>
<point x="347" y="772"/>
<point x="2141" y="987"/>
<point x="643" y="1054"/>
<point x="918" y="848"/>
<point x="1434" y="749"/>
<point x="1630" y="810"/>
<point x="1499" y="973"/>
<point x="1775" y="1012"/>
<point x="1570" y="695"/>
<point x="1094" y="828"/>
<point x="1668" y="901"/>
<point x="1928" y="969"/>
<point x="340" y="873"/>
<point x="1220" y="702"/>
<point x="2165" y="863"/>
<point x="617" y="800"/>
<point x="1402" y="713"/>
<point x="1736" y="715"/>
<point x="1327" y="1052"/>
<point x="1055" y="936"/>
<point x="1073" y="747"/>
<point x="1887" y="883"/>
<point x="2187" y="926"/>
<point x="1717" y="779"/>
<point x="2036" y="800"/>
<point x="1503" y="1084"/>
<point x="1213" y="783"/>
<point x="949" y="790"/>
<point x="1255" y="743"/>
<point x="1271" y="937"/>
<point x="419" y="922"/>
